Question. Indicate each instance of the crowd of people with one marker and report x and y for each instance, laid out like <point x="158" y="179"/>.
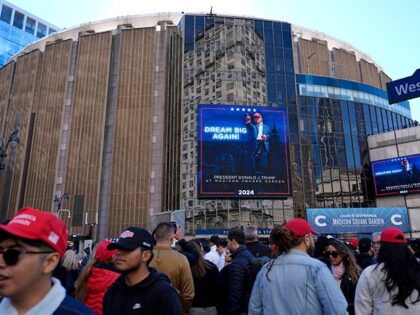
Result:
<point x="162" y="273"/>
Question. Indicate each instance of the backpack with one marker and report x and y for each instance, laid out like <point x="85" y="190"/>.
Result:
<point x="256" y="265"/>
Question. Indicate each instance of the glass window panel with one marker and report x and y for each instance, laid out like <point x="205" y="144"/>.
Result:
<point x="189" y="32"/>
<point x="288" y="66"/>
<point x="286" y="27"/>
<point x="42" y="30"/>
<point x="30" y="25"/>
<point x="278" y="38"/>
<point x="374" y="119"/>
<point x="368" y="122"/>
<point x="189" y="19"/>
<point x="288" y="54"/>
<point x="347" y="135"/>
<point x="380" y="121"/>
<point x="387" y="122"/>
<point x="259" y="28"/>
<point x="277" y="26"/>
<point x="394" y="119"/>
<point x="287" y="39"/>
<point x="6" y="14"/>
<point x="271" y="92"/>
<point x="268" y="34"/>
<point x="18" y="19"/>
<point x="51" y="30"/>
<point x="280" y="66"/>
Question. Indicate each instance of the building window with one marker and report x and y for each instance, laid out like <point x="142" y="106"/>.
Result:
<point x="18" y="20"/>
<point x="51" y="30"/>
<point x="42" y="30"/>
<point x="6" y="14"/>
<point x="30" y="25"/>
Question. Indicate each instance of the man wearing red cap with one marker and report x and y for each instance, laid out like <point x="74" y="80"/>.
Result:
<point x="31" y="246"/>
<point x="392" y="285"/>
<point x="261" y="134"/>
<point x="294" y="282"/>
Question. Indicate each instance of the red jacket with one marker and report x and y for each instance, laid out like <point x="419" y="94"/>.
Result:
<point x="98" y="282"/>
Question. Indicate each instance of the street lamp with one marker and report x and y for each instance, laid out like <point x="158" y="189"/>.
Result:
<point x="13" y="141"/>
<point x="58" y="200"/>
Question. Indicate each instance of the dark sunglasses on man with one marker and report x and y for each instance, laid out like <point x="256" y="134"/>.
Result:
<point x="11" y="255"/>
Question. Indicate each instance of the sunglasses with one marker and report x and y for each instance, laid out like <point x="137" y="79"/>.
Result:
<point x="334" y="254"/>
<point x="11" y="255"/>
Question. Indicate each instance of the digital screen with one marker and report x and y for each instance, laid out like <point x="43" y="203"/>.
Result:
<point x="243" y="152"/>
<point x="399" y="175"/>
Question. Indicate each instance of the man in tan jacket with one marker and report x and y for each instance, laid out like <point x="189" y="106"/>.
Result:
<point x="173" y="264"/>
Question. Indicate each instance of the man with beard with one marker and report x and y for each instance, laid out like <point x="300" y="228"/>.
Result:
<point x="140" y="289"/>
<point x="294" y="282"/>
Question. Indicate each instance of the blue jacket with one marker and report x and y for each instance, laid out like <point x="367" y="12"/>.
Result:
<point x="298" y="285"/>
<point x="70" y="306"/>
<point x="238" y="280"/>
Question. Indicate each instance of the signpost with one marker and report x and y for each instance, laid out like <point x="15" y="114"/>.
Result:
<point x="404" y="89"/>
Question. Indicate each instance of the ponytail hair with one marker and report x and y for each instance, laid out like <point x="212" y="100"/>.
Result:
<point x="283" y="239"/>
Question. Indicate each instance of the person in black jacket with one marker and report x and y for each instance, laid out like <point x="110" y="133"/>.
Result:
<point x="238" y="279"/>
<point x="207" y="284"/>
<point x="365" y="256"/>
<point x="255" y="247"/>
<point x="140" y="289"/>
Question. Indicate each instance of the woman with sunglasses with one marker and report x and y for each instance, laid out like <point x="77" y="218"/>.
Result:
<point x="344" y="269"/>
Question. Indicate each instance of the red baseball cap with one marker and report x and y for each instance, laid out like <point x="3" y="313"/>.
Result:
<point x="34" y="224"/>
<point x="257" y="115"/>
<point x="102" y="253"/>
<point x="393" y="235"/>
<point x="354" y="242"/>
<point x="299" y="227"/>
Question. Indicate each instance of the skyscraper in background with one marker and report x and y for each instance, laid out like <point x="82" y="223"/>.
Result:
<point x="19" y="28"/>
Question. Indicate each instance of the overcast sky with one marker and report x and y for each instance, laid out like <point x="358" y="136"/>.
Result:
<point x="386" y="30"/>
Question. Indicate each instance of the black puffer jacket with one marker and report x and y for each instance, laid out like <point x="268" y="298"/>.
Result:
<point x="239" y="282"/>
<point x="259" y="249"/>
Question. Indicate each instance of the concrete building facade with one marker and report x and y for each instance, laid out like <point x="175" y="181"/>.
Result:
<point x="107" y="113"/>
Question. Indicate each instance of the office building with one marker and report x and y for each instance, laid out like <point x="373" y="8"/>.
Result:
<point x="19" y="28"/>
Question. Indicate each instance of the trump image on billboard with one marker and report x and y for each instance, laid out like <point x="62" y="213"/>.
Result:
<point x="243" y="152"/>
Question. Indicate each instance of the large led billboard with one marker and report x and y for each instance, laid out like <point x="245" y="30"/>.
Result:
<point x="399" y="175"/>
<point x="243" y="152"/>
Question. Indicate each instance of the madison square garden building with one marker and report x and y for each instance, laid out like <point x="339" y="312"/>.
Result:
<point x="138" y="115"/>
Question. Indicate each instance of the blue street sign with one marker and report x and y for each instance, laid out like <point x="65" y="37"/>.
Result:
<point x="404" y="89"/>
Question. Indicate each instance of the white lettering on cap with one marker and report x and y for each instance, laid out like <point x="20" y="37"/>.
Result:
<point x="53" y="238"/>
<point x="127" y="234"/>
<point x="23" y="219"/>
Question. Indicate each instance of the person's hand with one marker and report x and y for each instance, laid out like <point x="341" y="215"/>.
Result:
<point x="247" y="119"/>
<point x="263" y="137"/>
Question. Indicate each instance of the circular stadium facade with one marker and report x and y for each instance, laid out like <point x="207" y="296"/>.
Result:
<point x="136" y="116"/>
